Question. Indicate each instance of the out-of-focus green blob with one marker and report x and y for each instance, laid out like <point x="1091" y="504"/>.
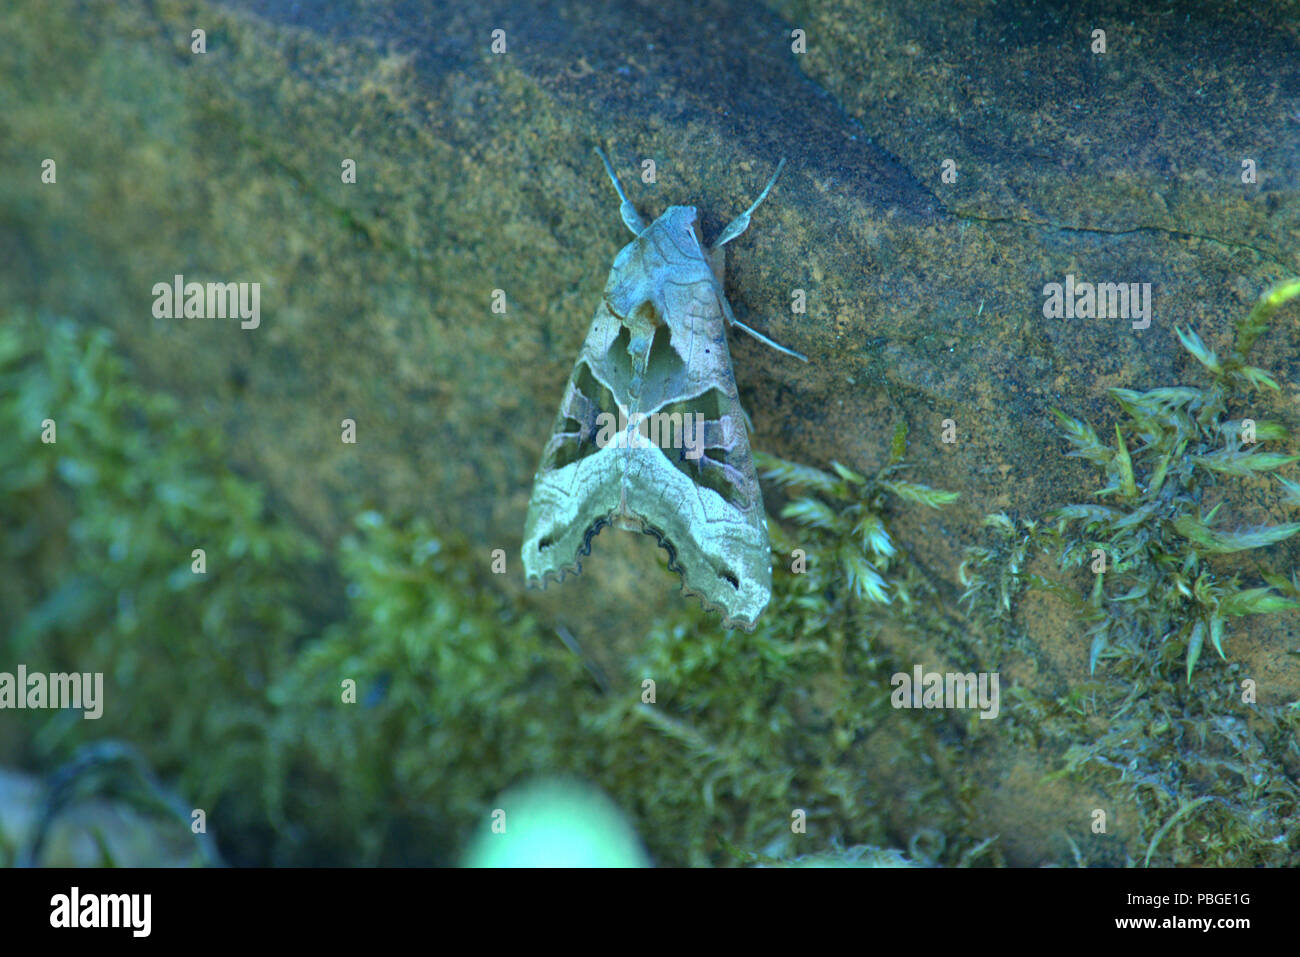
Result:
<point x="556" y="823"/>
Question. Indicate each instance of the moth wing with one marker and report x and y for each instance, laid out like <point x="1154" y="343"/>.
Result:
<point x="578" y="486"/>
<point x="699" y="495"/>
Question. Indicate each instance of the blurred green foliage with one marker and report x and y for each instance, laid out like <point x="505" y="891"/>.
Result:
<point x="99" y="531"/>
<point x="234" y="683"/>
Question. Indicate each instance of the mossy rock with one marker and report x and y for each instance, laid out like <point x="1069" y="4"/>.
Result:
<point x="475" y="173"/>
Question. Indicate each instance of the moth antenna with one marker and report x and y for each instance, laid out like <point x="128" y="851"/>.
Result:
<point x="766" y="341"/>
<point x="631" y="218"/>
<point x="741" y="222"/>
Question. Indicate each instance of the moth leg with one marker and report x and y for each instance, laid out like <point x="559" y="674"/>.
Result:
<point x="631" y="218"/>
<point x="733" y="321"/>
<point x="741" y="222"/>
<point x="766" y="341"/>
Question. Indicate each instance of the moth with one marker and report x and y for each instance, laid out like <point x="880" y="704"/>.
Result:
<point x="650" y="435"/>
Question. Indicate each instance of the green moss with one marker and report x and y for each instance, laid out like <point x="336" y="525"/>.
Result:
<point x="233" y="683"/>
<point x="1158" y="595"/>
<point x="1205" y="765"/>
<point x="846" y="516"/>
<point x="230" y="681"/>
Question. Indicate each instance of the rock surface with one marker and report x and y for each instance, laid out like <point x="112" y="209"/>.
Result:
<point x="475" y="173"/>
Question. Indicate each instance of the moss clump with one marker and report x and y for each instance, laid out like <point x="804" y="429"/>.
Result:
<point x="230" y="681"/>
<point x="455" y="701"/>
<point x="1158" y="594"/>
<point x="846" y="515"/>
<point x="1206" y="766"/>
<point x="100" y="528"/>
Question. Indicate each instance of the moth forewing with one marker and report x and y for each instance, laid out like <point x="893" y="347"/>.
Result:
<point x="676" y="461"/>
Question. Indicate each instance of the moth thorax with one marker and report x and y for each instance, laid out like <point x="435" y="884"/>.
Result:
<point x="646" y="315"/>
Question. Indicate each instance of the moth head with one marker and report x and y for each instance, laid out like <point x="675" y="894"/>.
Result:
<point x="683" y="222"/>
